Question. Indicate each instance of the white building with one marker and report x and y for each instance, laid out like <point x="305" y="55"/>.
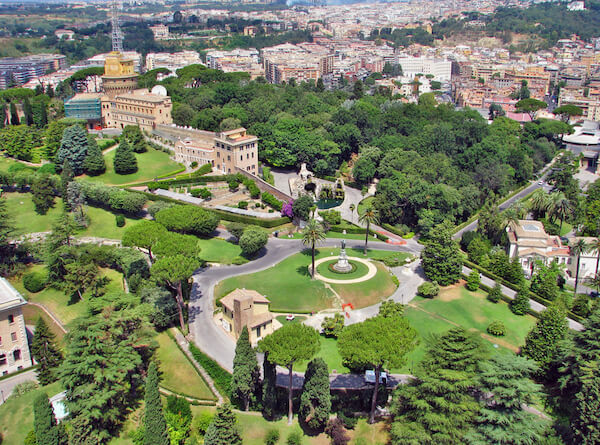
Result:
<point x="172" y="61"/>
<point x="440" y="69"/>
<point x="161" y="32"/>
<point x="587" y="262"/>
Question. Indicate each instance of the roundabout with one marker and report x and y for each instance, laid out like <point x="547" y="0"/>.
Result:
<point x="362" y="270"/>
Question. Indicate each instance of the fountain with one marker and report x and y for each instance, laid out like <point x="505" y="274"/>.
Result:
<point x="342" y="265"/>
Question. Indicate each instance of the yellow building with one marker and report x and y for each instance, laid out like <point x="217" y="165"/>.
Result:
<point x="119" y="75"/>
<point x="14" y="348"/>
<point x="248" y="308"/>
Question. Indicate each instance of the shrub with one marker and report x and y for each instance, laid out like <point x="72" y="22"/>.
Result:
<point x="336" y="431"/>
<point x="270" y="200"/>
<point x="581" y="305"/>
<point x="120" y="220"/>
<point x="49" y="168"/>
<point x="272" y="437"/>
<point x="194" y="164"/>
<point x="520" y="304"/>
<point x="348" y="420"/>
<point x="157" y="206"/>
<point x="203" y="170"/>
<point x="23" y="388"/>
<point x="233" y="185"/>
<point x="428" y="289"/>
<point x="221" y="377"/>
<point x="252" y="188"/>
<point x="202" y="421"/>
<point x="252" y="240"/>
<point x="243" y="205"/>
<point x="473" y="281"/>
<point x="393" y="261"/>
<point x="301" y="207"/>
<point x="188" y="219"/>
<point x="203" y="193"/>
<point x="236" y="229"/>
<point x="295" y="438"/>
<point x="495" y="294"/>
<point x="496" y="328"/>
<point x="332" y="326"/>
<point x="116" y="199"/>
<point x="35" y="281"/>
<point x="331" y="217"/>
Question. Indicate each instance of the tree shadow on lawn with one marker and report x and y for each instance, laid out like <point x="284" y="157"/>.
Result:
<point x="303" y="271"/>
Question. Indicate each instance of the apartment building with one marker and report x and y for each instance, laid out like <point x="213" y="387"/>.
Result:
<point x="16" y="71"/>
<point x="14" y="347"/>
<point x="172" y="61"/>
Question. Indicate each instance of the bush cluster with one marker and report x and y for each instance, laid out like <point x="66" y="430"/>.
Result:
<point x="202" y="192"/>
<point x="270" y="200"/>
<point x="221" y="377"/>
<point x="114" y="198"/>
<point x="252" y="188"/>
<point x="188" y="219"/>
<point x="331" y="217"/>
<point x="496" y="328"/>
<point x="428" y="289"/>
<point x="35" y="281"/>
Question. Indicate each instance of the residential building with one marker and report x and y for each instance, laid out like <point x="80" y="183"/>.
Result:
<point x="66" y="34"/>
<point x="244" y="307"/>
<point x="16" y="71"/>
<point x="172" y="61"/>
<point x="14" y="348"/>
<point x="529" y="242"/>
<point x="588" y="261"/>
<point x="161" y="32"/>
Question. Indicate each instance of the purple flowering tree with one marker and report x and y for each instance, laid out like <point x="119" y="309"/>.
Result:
<point x="286" y="210"/>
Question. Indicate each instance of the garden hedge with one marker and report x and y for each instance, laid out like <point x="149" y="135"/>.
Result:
<point x="358" y="231"/>
<point x="220" y="376"/>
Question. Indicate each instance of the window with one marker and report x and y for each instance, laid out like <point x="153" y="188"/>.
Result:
<point x="13" y="336"/>
<point x="2" y="359"/>
<point x="241" y="157"/>
<point x="228" y="158"/>
<point x="17" y="354"/>
<point x="11" y="318"/>
<point x="0" y="341"/>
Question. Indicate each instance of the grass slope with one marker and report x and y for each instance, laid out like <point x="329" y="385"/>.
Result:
<point x="151" y="164"/>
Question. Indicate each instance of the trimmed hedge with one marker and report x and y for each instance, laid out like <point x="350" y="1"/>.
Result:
<point x="220" y="376"/>
<point x="173" y="173"/>
<point x="358" y="231"/>
<point x="266" y="223"/>
<point x="271" y="201"/>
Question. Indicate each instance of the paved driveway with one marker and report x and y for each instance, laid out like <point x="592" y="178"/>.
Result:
<point x="7" y="385"/>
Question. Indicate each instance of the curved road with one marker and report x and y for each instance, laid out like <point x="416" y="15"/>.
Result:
<point x="210" y="338"/>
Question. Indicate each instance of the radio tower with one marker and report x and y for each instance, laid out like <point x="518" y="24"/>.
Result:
<point x="117" y="36"/>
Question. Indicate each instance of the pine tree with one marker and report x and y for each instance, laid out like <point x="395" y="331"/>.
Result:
<point x="42" y="193"/>
<point x="246" y="374"/>
<point x="155" y="425"/>
<point x="505" y="384"/>
<point x="40" y="114"/>
<point x="14" y="116"/>
<point x="541" y="343"/>
<point x="269" y="392"/>
<point x="520" y="304"/>
<point x="74" y="148"/>
<point x="45" y="352"/>
<point x="473" y="281"/>
<point x="66" y="176"/>
<point x="315" y="401"/>
<point x="585" y="424"/>
<point x="125" y="161"/>
<point x="495" y="294"/>
<point x="28" y="111"/>
<point x="223" y="429"/>
<point x="438" y="406"/>
<point x="441" y="257"/>
<point x="94" y="161"/>
<point x="44" y="423"/>
<point x="140" y="146"/>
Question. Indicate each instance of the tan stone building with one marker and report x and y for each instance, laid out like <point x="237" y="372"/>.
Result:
<point x="248" y="308"/>
<point x="14" y="348"/>
<point x="138" y="107"/>
<point x="119" y="75"/>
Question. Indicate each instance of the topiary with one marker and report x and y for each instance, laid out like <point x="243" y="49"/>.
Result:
<point x="496" y="328"/>
<point x="35" y="281"/>
<point x="495" y="294"/>
<point x="428" y="289"/>
<point x="120" y="220"/>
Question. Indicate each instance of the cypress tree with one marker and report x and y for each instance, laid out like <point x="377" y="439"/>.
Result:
<point x="66" y="176"/>
<point x="541" y="343"/>
<point x="125" y="161"/>
<point x="42" y="193"/>
<point x="28" y="111"/>
<point x="94" y="161"/>
<point x="315" y="401"/>
<point x="40" y="115"/>
<point x="244" y="381"/>
<point x="269" y="395"/>
<point x="223" y="429"/>
<point x="49" y="91"/>
<point x="44" y="423"/>
<point x="155" y="426"/>
<point x="74" y="147"/>
<point x="520" y="304"/>
<point x="45" y="352"/>
<point x="3" y="115"/>
<point x="14" y="116"/>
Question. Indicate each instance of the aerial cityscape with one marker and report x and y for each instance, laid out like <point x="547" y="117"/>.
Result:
<point x="300" y="222"/>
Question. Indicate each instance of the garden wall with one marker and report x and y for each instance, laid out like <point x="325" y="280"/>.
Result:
<point x="265" y="186"/>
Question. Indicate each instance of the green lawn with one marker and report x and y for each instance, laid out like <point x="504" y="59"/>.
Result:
<point x="290" y="289"/>
<point x="217" y="250"/>
<point x="60" y="304"/>
<point x="178" y="374"/>
<point x="31" y="314"/>
<point x="360" y="269"/>
<point x="6" y="162"/>
<point x="21" y="209"/>
<point x="151" y="164"/>
<point x="367" y="293"/>
<point x="297" y="319"/>
<point x="329" y="353"/>
<point x="364" y="204"/>
<point x="16" y="414"/>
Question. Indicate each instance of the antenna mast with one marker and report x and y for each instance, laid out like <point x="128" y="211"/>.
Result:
<point x="117" y="36"/>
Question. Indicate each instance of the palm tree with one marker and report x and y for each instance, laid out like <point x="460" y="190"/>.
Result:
<point x="539" y="202"/>
<point x="514" y="213"/>
<point x="560" y="208"/>
<point x="352" y="207"/>
<point x="368" y="217"/>
<point x="578" y="249"/>
<point x="312" y="234"/>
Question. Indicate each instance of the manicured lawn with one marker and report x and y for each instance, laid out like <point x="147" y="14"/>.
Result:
<point x="26" y="220"/>
<point x="218" y="250"/>
<point x="60" y="304"/>
<point x="151" y="164"/>
<point x="367" y="293"/>
<point x="329" y="353"/>
<point x="32" y="313"/>
<point x="364" y="204"/>
<point x="178" y="374"/>
<point x="6" y="162"/>
<point x="360" y="269"/>
<point x="297" y="319"/>
<point x="16" y="415"/>
<point x="290" y="289"/>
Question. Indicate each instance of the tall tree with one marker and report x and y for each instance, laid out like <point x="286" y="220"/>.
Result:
<point x="144" y="235"/>
<point x="566" y="112"/>
<point x="223" y="429"/>
<point x="291" y="344"/>
<point x="94" y="163"/>
<point x="585" y="425"/>
<point x="42" y="192"/>
<point x="312" y="234"/>
<point x="27" y="111"/>
<point x="66" y="176"/>
<point x="315" y="400"/>
<point x="7" y="248"/>
<point x="530" y="106"/>
<point x="80" y="276"/>
<point x="74" y="148"/>
<point x="379" y="342"/>
<point x="438" y="406"/>
<point x="269" y="389"/>
<point x="173" y="270"/>
<point x="14" y="116"/>
<point x="369" y="216"/>
<point x="155" y="425"/>
<point x="3" y="115"/>
<point x="560" y="208"/>
<point x="45" y="352"/>
<point x="40" y="114"/>
<point x="506" y="386"/>
<point x="579" y="248"/>
<point x="46" y="430"/>
<point x="246" y="375"/>
<point x="124" y="162"/>
<point x="441" y="257"/>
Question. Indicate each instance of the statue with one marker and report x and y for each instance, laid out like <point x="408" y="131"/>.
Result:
<point x="342" y="265"/>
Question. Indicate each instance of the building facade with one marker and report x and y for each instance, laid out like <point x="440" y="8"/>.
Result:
<point x="248" y="308"/>
<point x="86" y="106"/>
<point x="14" y="347"/>
<point x="139" y="107"/>
<point x="119" y="75"/>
